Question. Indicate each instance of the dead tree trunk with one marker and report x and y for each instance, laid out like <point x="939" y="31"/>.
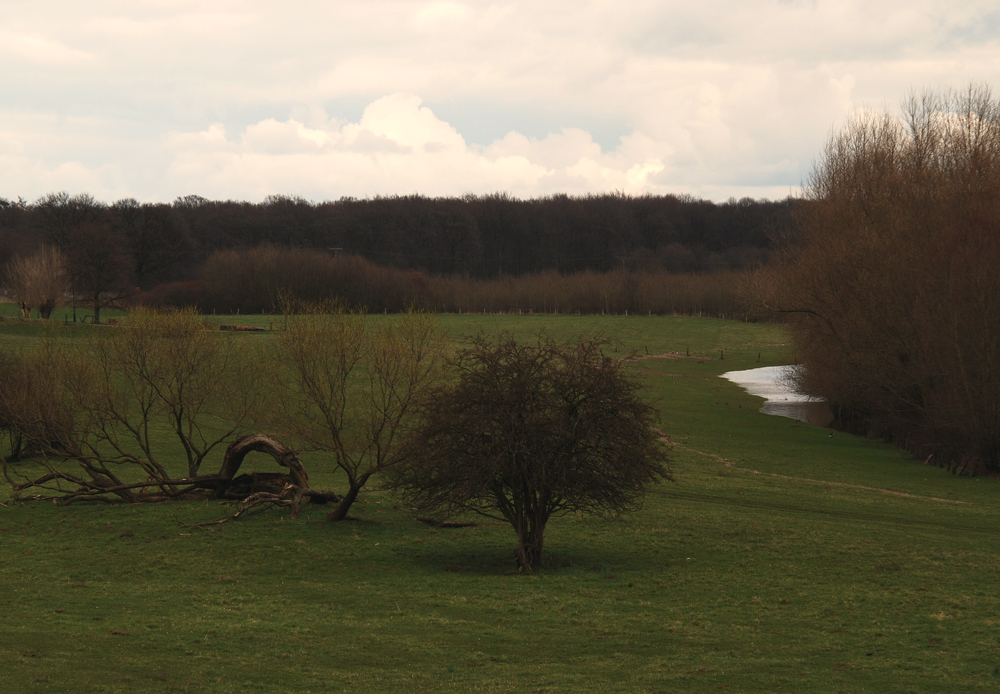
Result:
<point x="261" y="443"/>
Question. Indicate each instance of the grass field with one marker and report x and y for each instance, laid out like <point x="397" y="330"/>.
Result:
<point x="781" y="560"/>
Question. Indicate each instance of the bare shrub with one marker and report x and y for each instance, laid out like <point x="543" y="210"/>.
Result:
<point x="531" y="430"/>
<point x="38" y="281"/>
<point x="660" y="293"/>
<point x="257" y="279"/>
<point x="35" y="410"/>
<point x="190" y="294"/>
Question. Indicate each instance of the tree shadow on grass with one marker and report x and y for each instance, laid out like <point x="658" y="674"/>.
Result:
<point x="498" y="556"/>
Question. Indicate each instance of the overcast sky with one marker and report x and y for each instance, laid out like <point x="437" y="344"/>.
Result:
<point x="241" y="99"/>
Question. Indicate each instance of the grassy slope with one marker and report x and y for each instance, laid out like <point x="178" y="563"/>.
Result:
<point x="776" y="562"/>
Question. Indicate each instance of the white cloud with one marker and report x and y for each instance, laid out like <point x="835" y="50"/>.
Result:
<point x="343" y="97"/>
<point x="401" y="119"/>
<point x="441" y="15"/>
<point x="271" y="137"/>
<point x="399" y="146"/>
<point x="39" y="49"/>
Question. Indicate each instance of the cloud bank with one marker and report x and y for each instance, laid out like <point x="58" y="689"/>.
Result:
<point x="327" y="99"/>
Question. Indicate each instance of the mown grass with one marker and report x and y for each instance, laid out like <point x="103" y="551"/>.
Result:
<point x="781" y="559"/>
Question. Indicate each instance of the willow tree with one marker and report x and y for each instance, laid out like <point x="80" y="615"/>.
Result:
<point x="38" y="281"/>
<point x="348" y="384"/>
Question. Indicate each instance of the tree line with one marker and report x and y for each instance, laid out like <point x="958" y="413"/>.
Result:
<point x="102" y="254"/>
<point x="479" y="236"/>
<point x="496" y="235"/>
<point x="891" y="285"/>
<point x="260" y="279"/>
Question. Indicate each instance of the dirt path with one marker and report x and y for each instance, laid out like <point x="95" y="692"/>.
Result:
<point x="732" y="464"/>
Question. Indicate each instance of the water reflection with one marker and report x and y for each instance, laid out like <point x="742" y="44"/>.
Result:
<point x="777" y="385"/>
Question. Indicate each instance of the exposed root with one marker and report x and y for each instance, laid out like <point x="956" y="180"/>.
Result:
<point x="291" y="496"/>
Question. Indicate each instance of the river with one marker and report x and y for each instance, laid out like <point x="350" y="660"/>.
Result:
<point x="776" y="384"/>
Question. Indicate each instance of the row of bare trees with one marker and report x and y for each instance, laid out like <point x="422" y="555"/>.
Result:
<point x="110" y="250"/>
<point x="893" y="286"/>
<point x="92" y="270"/>
<point x="485" y="237"/>
<point x="256" y="279"/>
<point x="495" y="235"/>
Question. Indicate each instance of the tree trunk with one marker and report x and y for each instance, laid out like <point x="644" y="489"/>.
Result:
<point x="97" y="311"/>
<point x="529" y="551"/>
<point x="340" y="512"/>
<point x="45" y="310"/>
<point x="25" y="311"/>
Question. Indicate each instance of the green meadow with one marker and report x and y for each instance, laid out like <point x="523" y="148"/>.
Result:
<point x="781" y="559"/>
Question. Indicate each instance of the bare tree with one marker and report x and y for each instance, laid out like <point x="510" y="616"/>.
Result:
<point x="528" y="431"/>
<point x="38" y="281"/>
<point x="16" y="233"/>
<point x="99" y="265"/>
<point x="350" y="383"/>
<point x="108" y="420"/>
<point x="156" y="236"/>
<point x="57" y="215"/>
<point x="893" y="286"/>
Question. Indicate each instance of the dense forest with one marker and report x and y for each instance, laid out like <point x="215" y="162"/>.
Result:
<point x="474" y="236"/>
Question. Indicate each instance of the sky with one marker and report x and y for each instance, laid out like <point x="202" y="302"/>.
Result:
<point x="155" y="99"/>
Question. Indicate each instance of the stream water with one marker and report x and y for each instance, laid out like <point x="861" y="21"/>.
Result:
<point x="776" y="384"/>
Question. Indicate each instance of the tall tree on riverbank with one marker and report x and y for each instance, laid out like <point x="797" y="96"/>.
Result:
<point x="895" y="289"/>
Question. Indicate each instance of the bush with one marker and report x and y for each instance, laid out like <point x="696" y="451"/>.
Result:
<point x="528" y="431"/>
<point x="35" y="411"/>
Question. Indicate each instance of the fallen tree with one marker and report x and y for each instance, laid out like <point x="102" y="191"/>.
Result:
<point x="106" y="422"/>
<point x="103" y="420"/>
